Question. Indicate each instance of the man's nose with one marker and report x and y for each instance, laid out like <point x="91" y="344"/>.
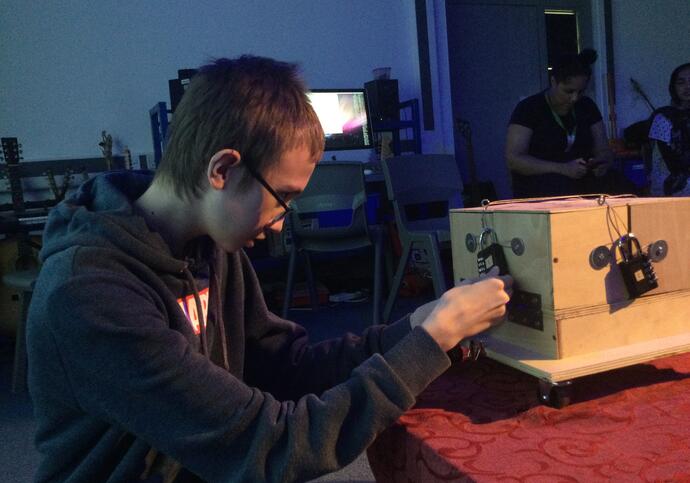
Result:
<point x="277" y="227"/>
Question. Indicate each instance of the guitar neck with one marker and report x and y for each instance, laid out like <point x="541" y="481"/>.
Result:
<point x="16" y="191"/>
<point x="10" y="150"/>
<point x="472" y="186"/>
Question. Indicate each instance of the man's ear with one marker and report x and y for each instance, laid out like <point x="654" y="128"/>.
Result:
<point x="552" y="81"/>
<point x="222" y="166"/>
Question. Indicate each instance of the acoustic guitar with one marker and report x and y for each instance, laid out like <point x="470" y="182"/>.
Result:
<point x="12" y="155"/>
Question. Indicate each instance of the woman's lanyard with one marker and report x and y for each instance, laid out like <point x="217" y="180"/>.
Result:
<point x="570" y="135"/>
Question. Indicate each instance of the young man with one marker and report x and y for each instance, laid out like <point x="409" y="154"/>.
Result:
<point x="152" y="355"/>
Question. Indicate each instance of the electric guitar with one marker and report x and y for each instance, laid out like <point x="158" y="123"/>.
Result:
<point x="59" y="193"/>
<point x="106" y="145"/>
<point x="639" y="90"/>
<point x="475" y="191"/>
<point x="12" y="155"/>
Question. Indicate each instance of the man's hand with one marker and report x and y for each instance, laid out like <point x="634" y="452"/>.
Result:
<point x="463" y="311"/>
<point x="598" y="166"/>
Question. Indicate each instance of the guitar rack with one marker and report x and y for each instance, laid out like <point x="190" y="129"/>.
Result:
<point x="31" y="213"/>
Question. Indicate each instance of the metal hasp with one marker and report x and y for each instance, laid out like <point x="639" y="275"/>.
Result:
<point x="600" y="257"/>
<point x="657" y="251"/>
<point x="518" y="246"/>
<point x="470" y="242"/>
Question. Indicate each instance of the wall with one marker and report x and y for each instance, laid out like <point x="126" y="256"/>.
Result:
<point x="71" y="69"/>
<point x="650" y="40"/>
<point x="440" y="74"/>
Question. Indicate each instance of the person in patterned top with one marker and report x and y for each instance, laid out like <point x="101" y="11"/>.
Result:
<point x="670" y="130"/>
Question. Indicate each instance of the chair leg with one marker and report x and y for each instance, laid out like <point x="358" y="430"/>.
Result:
<point x="290" y="282"/>
<point x="388" y="261"/>
<point x="397" y="280"/>
<point x="378" y="275"/>
<point x="437" y="275"/>
<point x="311" y="283"/>
<point x="19" y="371"/>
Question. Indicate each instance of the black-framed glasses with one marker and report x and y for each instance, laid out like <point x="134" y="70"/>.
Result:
<point x="279" y="199"/>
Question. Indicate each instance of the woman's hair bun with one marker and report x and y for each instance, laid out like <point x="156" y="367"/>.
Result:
<point x="588" y="56"/>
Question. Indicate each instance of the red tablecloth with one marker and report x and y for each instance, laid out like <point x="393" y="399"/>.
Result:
<point x="482" y="421"/>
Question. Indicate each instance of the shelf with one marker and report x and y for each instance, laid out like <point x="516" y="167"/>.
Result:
<point x="410" y="112"/>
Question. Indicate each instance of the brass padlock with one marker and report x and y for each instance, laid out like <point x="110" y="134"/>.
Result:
<point x="491" y="256"/>
<point x="636" y="268"/>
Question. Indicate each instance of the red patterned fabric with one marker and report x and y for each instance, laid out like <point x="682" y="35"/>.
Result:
<point x="482" y="421"/>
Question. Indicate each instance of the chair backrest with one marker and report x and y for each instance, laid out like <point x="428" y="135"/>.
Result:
<point x="333" y="204"/>
<point x="422" y="188"/>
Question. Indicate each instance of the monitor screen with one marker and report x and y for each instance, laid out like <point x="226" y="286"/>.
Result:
<point x="344" y="117"/>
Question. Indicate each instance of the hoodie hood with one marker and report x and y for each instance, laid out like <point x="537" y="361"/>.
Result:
<point x="101" y="214"/>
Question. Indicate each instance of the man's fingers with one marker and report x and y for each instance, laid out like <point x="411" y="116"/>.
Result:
<point x="482" y="276"/>
<point x="491" y="273"/>
<point x="507" y="280"/>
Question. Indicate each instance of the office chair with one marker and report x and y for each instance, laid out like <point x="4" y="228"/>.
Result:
<point x="421" y="188"/>
<point x="330" y="216"/>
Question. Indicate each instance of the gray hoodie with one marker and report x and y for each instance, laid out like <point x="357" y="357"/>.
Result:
<point x="143" y="366"/>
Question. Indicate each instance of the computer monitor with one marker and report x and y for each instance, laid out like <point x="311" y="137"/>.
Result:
<point x="344" y="117"/>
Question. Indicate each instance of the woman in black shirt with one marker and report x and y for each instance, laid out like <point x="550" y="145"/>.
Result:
<point x="556" y="142"/>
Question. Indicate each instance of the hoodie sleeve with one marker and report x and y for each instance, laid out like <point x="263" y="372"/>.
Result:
<point x="126" y="366"/>
<point x="281" y="360"/>
<point x="287" y="365"/>
<point x="279" y="357"/>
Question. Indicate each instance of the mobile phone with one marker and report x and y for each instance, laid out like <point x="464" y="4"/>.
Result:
<point x="593" y="163"/>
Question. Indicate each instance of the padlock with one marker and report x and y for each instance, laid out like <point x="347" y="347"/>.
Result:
<point x="636" y="268"/>
<point x="492" y="255"/>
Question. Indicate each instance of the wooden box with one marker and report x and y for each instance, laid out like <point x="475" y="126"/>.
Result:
<point x="570" y="299"/>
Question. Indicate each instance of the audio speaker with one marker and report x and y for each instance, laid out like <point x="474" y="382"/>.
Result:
<point x="179" y="86"/>
<point x="382" y="96"/>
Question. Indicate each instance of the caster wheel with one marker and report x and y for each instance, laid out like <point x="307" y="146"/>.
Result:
<point x="555" y="394"/>
<point x="560" y="396"/>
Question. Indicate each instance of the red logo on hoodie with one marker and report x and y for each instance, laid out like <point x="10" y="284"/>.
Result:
<point x="188" y="306"/>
